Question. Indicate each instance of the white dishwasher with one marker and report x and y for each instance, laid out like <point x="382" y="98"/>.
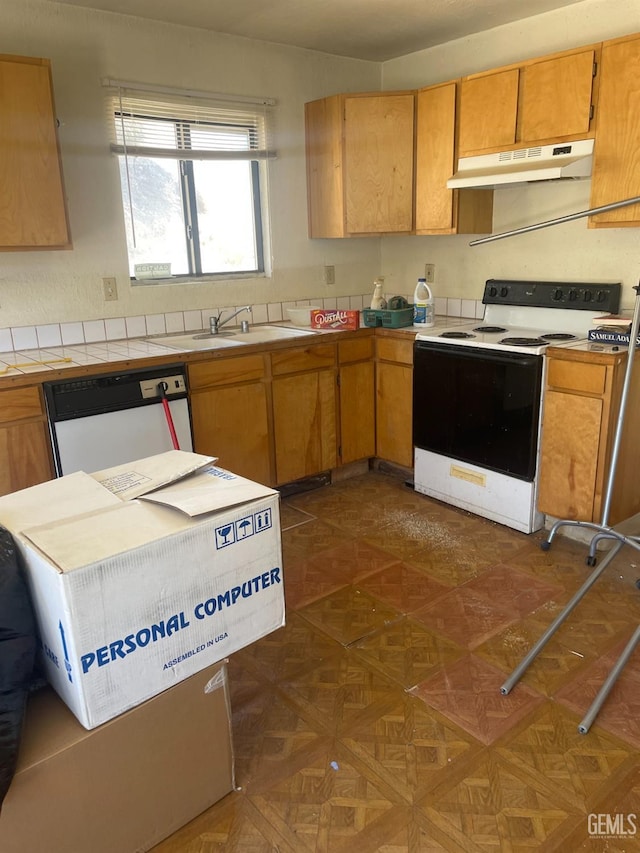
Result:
<point x="112" y="418"/>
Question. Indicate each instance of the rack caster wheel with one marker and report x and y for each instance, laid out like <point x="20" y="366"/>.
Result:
<point x="590" y="561"/>
<point x="544" y="546"/>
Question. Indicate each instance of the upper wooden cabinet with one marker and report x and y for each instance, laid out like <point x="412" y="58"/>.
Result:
<point x="616" y="173"/>
<point x="359" y="151"/>
<point x="32" y="207"/>
<point x="440" y="210"/>
<point x="537" y="102"/>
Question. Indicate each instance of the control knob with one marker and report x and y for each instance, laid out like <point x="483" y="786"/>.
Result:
<point x="493" y="291"/>
<point x="557" y="295"/>
<point x="601" y="295"/>
<point x="504" y="291"/>
<point x="573" y="295"/>
<point x="588" y="296"/>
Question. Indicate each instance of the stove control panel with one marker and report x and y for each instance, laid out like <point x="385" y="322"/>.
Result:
<point x="587" y="296"/>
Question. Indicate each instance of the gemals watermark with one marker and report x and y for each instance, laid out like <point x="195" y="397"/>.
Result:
<point x="602" y="825"/>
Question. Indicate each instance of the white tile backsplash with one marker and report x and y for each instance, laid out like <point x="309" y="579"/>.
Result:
<point x="174" y="322"/>
<point x="94" y="331"/>
<point x="468" y="308"/>
<point x="259" y="314"/>
<point x="115" y="328"/>
<point x="6" y="342"/>
<point x="274" y="312"/>
<point x="120" y="328"/>
<point x="136" y="327"/>
<point x="192" y="321"/>
<point x="155" y="324"/>
<point x="49" y="335"/>
<point x="72" y="333"/>
<point x="25" y="337"/>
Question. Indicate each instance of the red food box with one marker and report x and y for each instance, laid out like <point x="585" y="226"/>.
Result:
<point x="335" y="318"/>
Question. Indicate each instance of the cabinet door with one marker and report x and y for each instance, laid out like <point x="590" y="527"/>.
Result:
<point x="616" y="173"/>
<point x="357" y="412"/>
<point x="323" y="148"/>
<point x="394" y="428"/>
<point x="379" y="163"/>
<point x="33" y="213"/>
<point x="231" y="423"/>
<point x="24" y="456"/>
<point x="569" y="455"/>
<point x="304" y="421"/>
<point x="556" y="97"/>
<point x="488" y="111"/>
<point x="440" y="210"/>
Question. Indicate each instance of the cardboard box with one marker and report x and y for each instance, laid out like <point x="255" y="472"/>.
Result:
<point x="125" y="785"/>
<point x="325" y="318"/>
<point x="144" y="574"/>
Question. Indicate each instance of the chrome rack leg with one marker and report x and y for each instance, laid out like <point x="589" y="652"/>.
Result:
<point x="519" y="671"/>
<point x="600" y="699"/>
<point x="590" y="525"/>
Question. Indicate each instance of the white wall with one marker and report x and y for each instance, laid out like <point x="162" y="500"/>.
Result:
<point x="570" y="251"/>
<point x="86" y="46"/>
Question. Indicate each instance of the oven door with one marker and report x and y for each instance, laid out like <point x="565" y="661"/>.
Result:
<point x="477" y="405"/>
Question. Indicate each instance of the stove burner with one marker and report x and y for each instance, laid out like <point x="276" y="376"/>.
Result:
<point x="523" y="342"/>
<point x="456" y="335"/>
<point x="494" y="329"/>
<point x="558" y="336"/>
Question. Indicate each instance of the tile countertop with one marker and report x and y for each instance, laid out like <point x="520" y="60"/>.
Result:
<point x="101" y="353"/>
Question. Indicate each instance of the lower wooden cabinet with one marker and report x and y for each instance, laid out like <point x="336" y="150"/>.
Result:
<point x="581" y="406"/>
<point x="357" y="400"/>
<point x="229" y="415"/>
<point x="25" y="451"/>
<point x="304" y="411"/>
<point x="394" y="400"/>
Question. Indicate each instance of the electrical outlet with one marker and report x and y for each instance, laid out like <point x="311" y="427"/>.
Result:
<point x="329" y="274"/>
<point x="110" y="289"/>
<point x="430" y="273"/>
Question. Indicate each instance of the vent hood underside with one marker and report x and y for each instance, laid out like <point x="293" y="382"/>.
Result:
<point x="511" y="168"/>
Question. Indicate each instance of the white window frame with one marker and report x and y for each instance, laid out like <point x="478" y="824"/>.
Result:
<point x="244" y="127"/>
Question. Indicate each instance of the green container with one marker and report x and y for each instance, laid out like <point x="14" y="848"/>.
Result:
<point x="389" y="318"/>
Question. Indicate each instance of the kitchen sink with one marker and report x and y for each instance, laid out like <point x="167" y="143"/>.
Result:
<point x="229" y="338"/>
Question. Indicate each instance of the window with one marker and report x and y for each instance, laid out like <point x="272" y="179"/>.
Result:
<point x="192" y="173"/>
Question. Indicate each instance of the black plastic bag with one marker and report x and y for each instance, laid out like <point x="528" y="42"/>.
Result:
<point x="18" y="644"/>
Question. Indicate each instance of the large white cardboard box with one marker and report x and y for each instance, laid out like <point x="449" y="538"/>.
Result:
<point x="143" y="575"/>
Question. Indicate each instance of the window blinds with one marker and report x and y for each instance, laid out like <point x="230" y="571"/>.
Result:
<point x="188" y="126"/>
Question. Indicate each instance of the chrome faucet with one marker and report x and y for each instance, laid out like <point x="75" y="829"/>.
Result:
<point x="215" y="324"/>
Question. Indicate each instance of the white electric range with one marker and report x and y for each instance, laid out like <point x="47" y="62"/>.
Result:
<point x="479" y="393"/>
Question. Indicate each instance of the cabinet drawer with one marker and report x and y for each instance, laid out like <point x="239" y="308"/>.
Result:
<point x="19" y="403"/>
<point x="358" y="350"/>
<point x="575" y="376"/>
<point x="392" y="349"/>
<point x="226" y="371"/>
<point x="303" y="358"/>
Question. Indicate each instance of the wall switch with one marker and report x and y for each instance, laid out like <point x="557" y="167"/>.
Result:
<point x="110" y="289"/>
<point x="329" y="274"/>
<point x="430" y="273"/>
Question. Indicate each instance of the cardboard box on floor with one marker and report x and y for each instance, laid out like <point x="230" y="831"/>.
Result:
<point x="125" y="785"/>
<point x="144" y="574"/>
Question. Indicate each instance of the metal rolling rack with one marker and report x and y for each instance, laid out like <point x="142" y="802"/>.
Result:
<point x="602" y="531"/>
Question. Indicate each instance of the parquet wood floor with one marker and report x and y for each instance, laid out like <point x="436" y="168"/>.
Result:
<point x="373" y="721"/>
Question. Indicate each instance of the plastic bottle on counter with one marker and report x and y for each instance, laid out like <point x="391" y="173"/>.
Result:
<point x="378" y="300"/>
<point x="423" y="305"/>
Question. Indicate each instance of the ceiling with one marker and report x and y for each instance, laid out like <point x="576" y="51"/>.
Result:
<point x="376" y="30"/>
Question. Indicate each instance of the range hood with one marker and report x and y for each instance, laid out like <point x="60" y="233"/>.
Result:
<point x="511" y="168"/>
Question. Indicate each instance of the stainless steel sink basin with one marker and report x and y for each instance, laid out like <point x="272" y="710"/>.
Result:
<point x="187" y="342"/>
<point x="263" y="334"/>
<point x="230" y="338"/>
